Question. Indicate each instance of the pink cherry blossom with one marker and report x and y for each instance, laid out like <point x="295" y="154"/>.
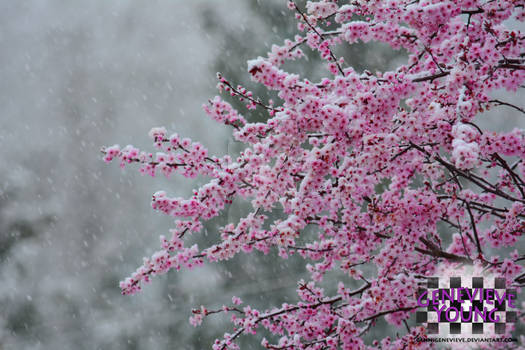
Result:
<point x="387" y="168"/>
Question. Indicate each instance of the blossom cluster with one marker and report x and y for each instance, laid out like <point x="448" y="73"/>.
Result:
<point x="386" y="166"/>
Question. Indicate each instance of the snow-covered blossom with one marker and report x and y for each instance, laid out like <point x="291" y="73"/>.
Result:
<point x="376" y="166"/>
<point x="464" y="153"/>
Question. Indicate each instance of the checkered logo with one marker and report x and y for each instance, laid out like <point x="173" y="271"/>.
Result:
<point x="476" y="305"/>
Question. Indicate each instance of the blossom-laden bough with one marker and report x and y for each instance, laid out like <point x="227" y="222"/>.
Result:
<point x="327" y="145"/>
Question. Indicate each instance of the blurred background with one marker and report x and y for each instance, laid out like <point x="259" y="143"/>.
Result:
<point x="76" y="76"/>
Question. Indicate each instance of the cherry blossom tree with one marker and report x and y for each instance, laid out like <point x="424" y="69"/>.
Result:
<point x="392" y="170"/>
